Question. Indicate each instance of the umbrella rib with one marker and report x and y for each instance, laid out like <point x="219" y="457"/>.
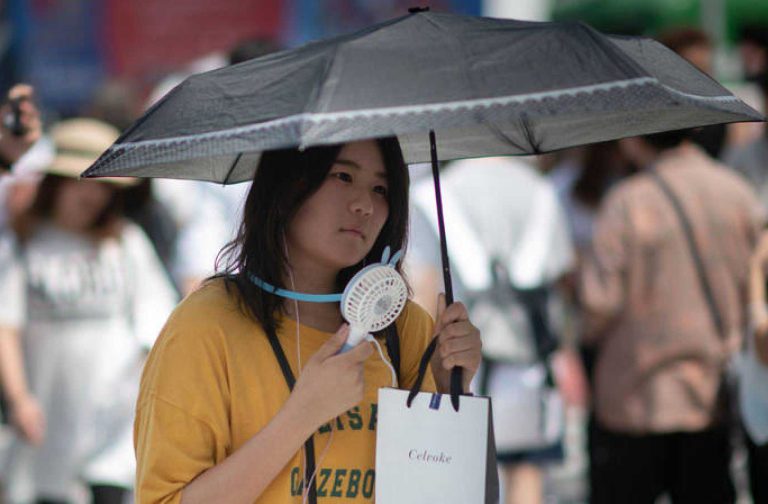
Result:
<point x="232" y="168"/>
<point x="504" y="137"/>
<point x="525" y="122"/>
<point x="315" y="100"/>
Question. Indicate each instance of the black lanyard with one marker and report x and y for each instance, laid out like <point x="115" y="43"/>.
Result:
<point x="309" y="444"/>
<point x="393" y="348"/>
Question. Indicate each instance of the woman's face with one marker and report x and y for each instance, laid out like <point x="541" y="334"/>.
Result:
<point x="80" y="202"/>
<point x="337" y="226"/>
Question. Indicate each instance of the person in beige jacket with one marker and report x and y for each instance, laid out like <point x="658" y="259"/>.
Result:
<point x="660" y="419"/>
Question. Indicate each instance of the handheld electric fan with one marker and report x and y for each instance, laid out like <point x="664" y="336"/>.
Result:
<point x="373" y="299"/>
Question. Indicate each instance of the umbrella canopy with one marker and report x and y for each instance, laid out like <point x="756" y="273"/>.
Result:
<point x="484" y="86"/>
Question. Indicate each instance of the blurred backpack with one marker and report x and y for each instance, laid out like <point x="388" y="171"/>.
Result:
<point x="507" y="316"/>
<point x="528" y="410"/>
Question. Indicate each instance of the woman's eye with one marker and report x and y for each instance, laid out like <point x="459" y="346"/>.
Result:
<point x="380" y="190"/>
<point x="343" y="176"/>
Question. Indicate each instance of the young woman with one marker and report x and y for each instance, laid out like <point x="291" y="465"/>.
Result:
<point x="83" y="296"/>
<point x="216" y="420"/>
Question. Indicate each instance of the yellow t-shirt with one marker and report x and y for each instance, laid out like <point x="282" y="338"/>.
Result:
<point x="212" y="382"/>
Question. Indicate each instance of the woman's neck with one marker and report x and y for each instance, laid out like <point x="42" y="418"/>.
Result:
<point x="322" y="316"/>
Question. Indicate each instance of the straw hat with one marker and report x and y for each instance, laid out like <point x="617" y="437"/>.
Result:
<point x="78" y="143"/>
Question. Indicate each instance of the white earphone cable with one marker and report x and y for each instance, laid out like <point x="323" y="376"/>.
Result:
<point x="305" y="493"/>
<point x="303" y="461"/>
<point x="373" y="340"/>
<point x="317" y="467"/>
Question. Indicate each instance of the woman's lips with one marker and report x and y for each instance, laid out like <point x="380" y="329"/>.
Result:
<point x="355" y="232"/>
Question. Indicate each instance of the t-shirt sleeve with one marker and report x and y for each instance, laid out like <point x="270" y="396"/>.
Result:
<point x="172" y="447"/>
<point x="414" y="327"/>
<point x="12" y="290"/>
<point x="181" y="427"/>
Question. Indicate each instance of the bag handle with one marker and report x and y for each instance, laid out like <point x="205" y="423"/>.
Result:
<point x="698" y="263"/>
<point x="456" y="389"/>
<point x="309" y="444"/>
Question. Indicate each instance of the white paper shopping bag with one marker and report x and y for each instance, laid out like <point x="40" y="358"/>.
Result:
<point x="431" y="453"/>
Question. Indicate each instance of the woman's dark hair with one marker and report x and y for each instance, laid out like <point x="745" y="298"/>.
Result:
<point x="108" y="224"/>
<point x="283" y="181"/>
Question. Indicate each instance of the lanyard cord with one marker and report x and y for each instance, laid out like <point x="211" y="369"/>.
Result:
<point x="309" y="444"/>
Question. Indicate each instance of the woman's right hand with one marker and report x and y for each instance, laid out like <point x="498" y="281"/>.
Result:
<point x="331" y="383"/>
<point x="27" y="417"/>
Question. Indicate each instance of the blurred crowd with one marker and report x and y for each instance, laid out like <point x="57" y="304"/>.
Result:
<point x="624" y="280"/>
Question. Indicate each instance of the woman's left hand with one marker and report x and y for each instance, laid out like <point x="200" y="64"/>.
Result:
<point x="458" y="344"/>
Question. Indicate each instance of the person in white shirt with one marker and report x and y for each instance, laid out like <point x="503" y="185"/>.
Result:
<point x="507" y="240"/>
<point x="84" y="296"/>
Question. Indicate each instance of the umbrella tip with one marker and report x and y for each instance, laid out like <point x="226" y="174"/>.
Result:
<point x="415" y="10"/>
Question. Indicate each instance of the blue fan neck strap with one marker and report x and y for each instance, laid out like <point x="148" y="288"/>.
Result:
<point x="318" y="298"/>
<point x="298" y="296"/>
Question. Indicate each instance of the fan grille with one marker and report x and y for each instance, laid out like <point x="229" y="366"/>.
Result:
<point x="375" y="299"/>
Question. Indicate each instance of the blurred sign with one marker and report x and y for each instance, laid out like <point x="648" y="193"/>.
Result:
<point x="315" y="19"/>
<point x="59" y="47"/>
<point x="69" y="48"/>
<point x="147" y="37"/>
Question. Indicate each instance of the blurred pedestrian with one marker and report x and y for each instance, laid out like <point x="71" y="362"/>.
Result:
<point x="582" y="180"/>
<point x="20" y="130"/>
<point x="753" y="385"/>
<point x="696" y="46"/>
<point x="664" y="291"/>
<point x="509" y="248"/>
<point x="83" y="296"/>
<point x="751" y="160"/>
<point x="20" y="125"/>
<point x="753" y="46"/>
<point x="117" y="104"/>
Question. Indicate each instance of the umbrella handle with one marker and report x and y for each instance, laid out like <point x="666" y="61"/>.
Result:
<point x="456" y="372"/>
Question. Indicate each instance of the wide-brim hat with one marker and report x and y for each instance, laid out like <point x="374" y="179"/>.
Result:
<point x="78" y="143"/>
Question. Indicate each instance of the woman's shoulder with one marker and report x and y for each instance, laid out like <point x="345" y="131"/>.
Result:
<point x="413" y="311"/>
<point x="216" y="297"/>
<point x="213" y="309"/>
<point x="197" y="339"/>
<point x="414" y="318"/>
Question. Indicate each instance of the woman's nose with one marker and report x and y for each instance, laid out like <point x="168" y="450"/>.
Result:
<point x="362" y="203"/>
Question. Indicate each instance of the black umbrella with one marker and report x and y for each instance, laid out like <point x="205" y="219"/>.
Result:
<point x="484" y="86"/>
<point x="477" y="86"/>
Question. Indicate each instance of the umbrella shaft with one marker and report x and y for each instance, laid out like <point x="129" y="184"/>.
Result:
<point x="456" y="372"/>
<point x="440" y="220"/>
